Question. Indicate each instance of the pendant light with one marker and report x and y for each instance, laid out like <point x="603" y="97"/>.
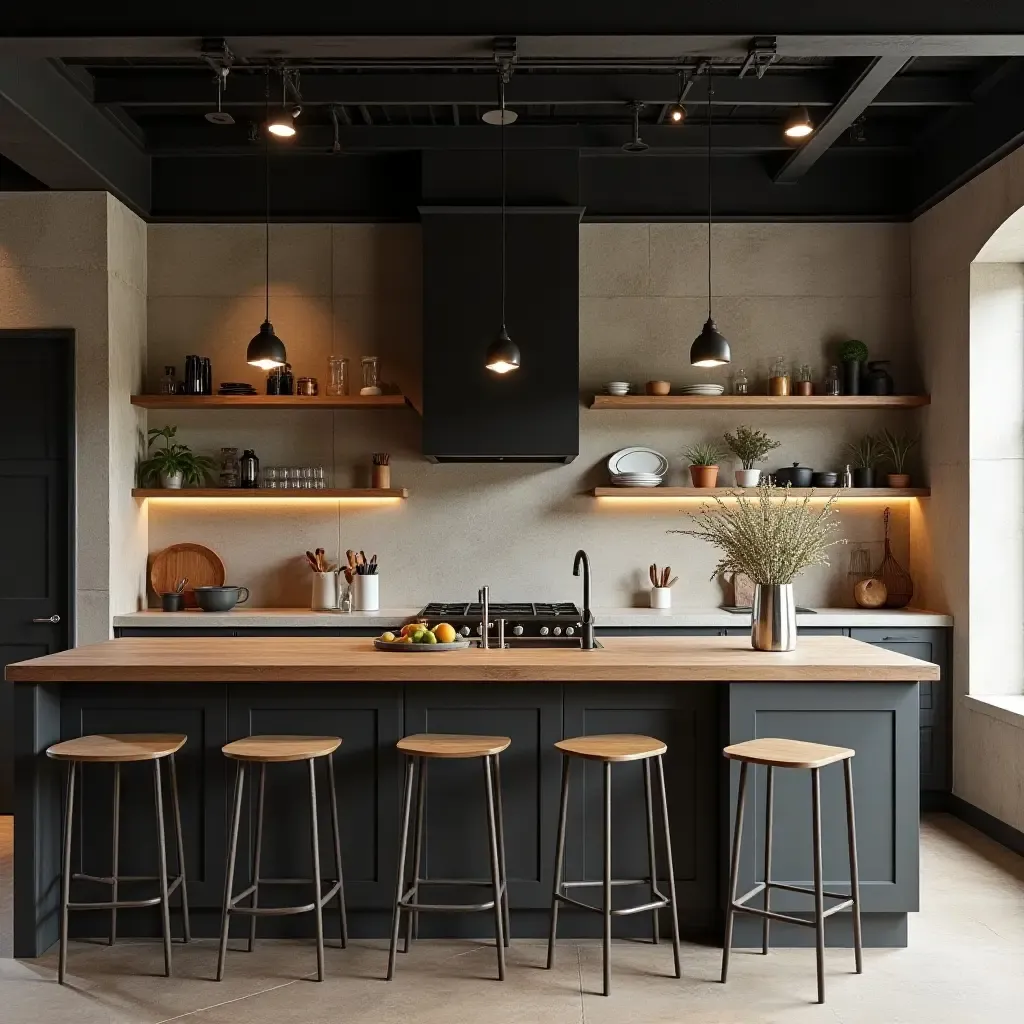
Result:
<point x="503" y="354"/>
<point x="266" y="350"/>
<point x="282" y="124"/>
<point x="799" y="125"/>
<point x="709" y="348"/>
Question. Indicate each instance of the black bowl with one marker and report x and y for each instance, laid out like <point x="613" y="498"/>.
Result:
<point x="220" y="599"/>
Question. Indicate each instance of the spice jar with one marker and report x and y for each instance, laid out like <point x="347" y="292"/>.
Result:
<point x="804" y="385"/>
<point x="337" y="381"/>
<point x="307" y="386"/>
<point x="740" y="385"/>
<point x="778" y="379"/>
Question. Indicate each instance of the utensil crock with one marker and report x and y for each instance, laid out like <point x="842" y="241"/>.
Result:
<point x="661" y="597"/>
<point x="365" y="593"/>
<point x="773" y="623"/>
<point x="325" y="592"/>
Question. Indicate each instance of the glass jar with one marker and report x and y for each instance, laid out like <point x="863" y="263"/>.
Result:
<point x="287" y="380"/>
<point x="274" y="381"/>
<point x="778" y="378"/>
<point x="168" y="382"/>
<point x="371" y="375"/>
<point x="832" y="381"/>
<point x="337" y="379"/>
<point x="229" y="468"/>
<point x="307" y="386"/>
<point x="740" y="384"/>
<point x="804" y="385"/>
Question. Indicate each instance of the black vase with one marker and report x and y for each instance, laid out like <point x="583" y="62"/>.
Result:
<point x="851" y="376"/>
<point x="863" y="477"/>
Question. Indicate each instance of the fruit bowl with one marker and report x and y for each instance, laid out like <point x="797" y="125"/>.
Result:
<point x="400" y="647"/>
<point x="417" y="636"/>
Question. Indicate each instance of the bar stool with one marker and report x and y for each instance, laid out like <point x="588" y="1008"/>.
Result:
<point x="264" y="750"/>
<point x="118" y="750"/>
<point x="419" y="749"/>
<point x="781" y="753"/>
<point x="609" y="750"/>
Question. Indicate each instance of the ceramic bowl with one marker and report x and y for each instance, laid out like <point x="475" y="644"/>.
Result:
<point x="658" y="387"/>
<point x="220" y="599"/>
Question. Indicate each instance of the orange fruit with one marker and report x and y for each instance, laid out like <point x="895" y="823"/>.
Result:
<point x="445" y="633"/>
<point x="412" y="627"/>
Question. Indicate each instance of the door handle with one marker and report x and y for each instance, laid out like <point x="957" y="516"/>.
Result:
<point x="49" y="618"/>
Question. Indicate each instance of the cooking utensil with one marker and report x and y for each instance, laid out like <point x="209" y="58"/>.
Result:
<point x="220" y="599"/>
<point x="180" y="586"/>
<point x="197" y="564"/>
<point x="654" y="575"/>
<point x="795" y="475"/>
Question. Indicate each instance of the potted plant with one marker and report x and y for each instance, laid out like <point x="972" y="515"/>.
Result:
<point x="865" y="455"/>
<point x="749" y="446"/>
<point x="771" y="541"/>
<point x="703" y="463"/>
<point x="173" y="465"/>
<point x="854" y="355"/>
<point x="895" y="450"/>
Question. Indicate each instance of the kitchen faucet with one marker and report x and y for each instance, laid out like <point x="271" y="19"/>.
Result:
<point x="587" y="641"/>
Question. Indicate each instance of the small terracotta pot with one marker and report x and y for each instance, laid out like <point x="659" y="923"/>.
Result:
<point x="898" y="480"/>
<point x="704" y="476"/>
<point x="658" y="387"/>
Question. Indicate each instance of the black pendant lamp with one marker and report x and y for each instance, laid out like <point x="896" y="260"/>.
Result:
<point x="266" y="350"/>
<point x="709" y="348"/>
<point x="503" y="353"/>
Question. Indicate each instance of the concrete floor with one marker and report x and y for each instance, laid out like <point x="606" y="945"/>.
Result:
<point x="965" y="964"/>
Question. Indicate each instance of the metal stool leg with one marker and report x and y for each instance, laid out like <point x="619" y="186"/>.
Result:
<point x="318" y="912"/>
<point x="412" y="917"/>
<point x="563" y="805"/>
<point x="229" y="875"/>
<point x="501" y="848"/>
<point x="499" y="939"/>
<point x="607" y="878"/>
<point x="165" y="902"/>
<point x="851" y="831"/>
<point x="114" y="852"/>
<point x="258" y="845"/>
<point x="734" y="871"/>
<point x="652" y="863"/>
<point x="819" y="897"/>
<point x="180" y="846"/>
<point x="671" y="869"/>
<point x="768" y="818"/>
<point x="65" y="879"/>
<point x="336" y="828"/>
<point x="400" y="880"/>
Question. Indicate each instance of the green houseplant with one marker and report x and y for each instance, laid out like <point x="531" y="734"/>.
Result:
<point x="703" y="458"/>
<point x="174" y="465"/>
<point x="865" y="454"/>
<point x="749" y="446"/>
<point x="895" y="449"/>
<point x="771" y="539"/>
<point x="854" y="355"/>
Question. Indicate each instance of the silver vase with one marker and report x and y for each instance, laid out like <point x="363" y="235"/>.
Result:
<point x="773" y="626"/>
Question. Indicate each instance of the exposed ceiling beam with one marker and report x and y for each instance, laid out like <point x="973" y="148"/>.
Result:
<point x="140" y="88"/>
<point x="52" y="131"/>
<point x="865" y="87"/>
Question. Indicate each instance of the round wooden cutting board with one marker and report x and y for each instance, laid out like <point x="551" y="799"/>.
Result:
<point x="200" y="564"/>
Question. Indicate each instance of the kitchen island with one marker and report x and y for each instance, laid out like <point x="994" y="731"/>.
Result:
<point x="696" y="693"/>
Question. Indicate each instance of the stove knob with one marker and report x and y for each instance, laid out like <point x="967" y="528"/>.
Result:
<point x="570" y="630"/>
<point x="557" y="631"/>
<point x="543" y="630"/>
<point x="464" y="631"/>
<point x="517" y="630"/>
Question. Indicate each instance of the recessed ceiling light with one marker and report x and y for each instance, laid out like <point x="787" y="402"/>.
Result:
<point x="799" y="125"/>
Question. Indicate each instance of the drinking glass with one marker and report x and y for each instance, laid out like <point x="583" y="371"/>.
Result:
<point x="337" y="377"/>
<point x="270" y="477"/>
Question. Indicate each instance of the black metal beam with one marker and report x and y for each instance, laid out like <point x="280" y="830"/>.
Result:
<point x="52" y="131"/>
<point x="873" y="77"/>
<point x="139" y="88"/>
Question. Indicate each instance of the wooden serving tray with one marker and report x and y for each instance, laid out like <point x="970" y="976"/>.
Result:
<point x="387" y="645"/>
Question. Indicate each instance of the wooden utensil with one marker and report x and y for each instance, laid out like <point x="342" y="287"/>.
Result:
<point x="200" y="565"/>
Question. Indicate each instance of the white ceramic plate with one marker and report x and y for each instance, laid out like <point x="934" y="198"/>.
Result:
<point x="702" y="389"/>
<point x="638" y="460"/>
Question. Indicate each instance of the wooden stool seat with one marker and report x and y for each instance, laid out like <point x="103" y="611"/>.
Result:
<point x="613" y="747"/>
<point x="780" y="753"/>
<point x="439" y="744"/>
<point x="115" y="749"/>
<point x="265" y="749"/>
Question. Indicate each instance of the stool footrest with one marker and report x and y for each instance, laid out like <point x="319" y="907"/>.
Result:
<point x="614" y="882"/>
<point x="740" y="904"/>
<point x="233" y="907"/>
<point x="407" y="903"/>
<point x="621" y="912"/>
<point x="172" y="886"/>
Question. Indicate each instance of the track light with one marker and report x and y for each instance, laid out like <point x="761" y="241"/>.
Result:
<point x="677" y="112"/>
<point x="282" y="125"/>
<point x="799" y="124"/>
<point x="636" y="144"/>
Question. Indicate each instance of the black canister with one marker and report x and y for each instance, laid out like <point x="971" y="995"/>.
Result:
<point x="206" y="374"/>
<point x="249" y="469"/>
<point x="274" y="382"/>
<point x="287" y="380"/>
<point x="191" y="375"/>
<point x="878" y="380"/>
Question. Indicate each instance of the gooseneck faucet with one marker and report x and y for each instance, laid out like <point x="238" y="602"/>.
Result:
<point x="588" y="615"/>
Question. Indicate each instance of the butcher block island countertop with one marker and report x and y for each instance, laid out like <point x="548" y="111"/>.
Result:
<point x="354" y="660"/>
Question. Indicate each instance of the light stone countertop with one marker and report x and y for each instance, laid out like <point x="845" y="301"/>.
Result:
<point x="637" y="618"/>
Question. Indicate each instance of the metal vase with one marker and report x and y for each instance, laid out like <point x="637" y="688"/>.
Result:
<point x="773" y="626"/>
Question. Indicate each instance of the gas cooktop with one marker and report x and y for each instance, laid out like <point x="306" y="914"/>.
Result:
<point x="523" y="619"/>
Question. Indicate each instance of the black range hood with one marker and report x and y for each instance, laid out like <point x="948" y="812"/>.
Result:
<point x="470" y="413"/>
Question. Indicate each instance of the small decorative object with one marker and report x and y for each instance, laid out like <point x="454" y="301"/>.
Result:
<point x="853" y="355"/>
<point x="804" y="384"/>
<point x="381" y="477"/>
<point x="865" y="455"/>
<point x="742" y="590"/>
<point x="371" y="376"/>
<point x="778" y="378"/>
<point x="749" y="446"/>
<point x="895" y="449"/>
<point x="658" y="387"/>
<point x="740" y="384"/>
<point x="870" y="593"/>
<point x="860" y="564"/>
<point x="308" y="386"/>
<point x="832" y="382"/>
<point x="174" y="465"/>
<point x="337" y="379"/>
<point x="703" y="463"/>
<point x="662" y="582"/>
<point x="898" y="583"/>
<point x="249" y="470"/>
<point x="168" y="382"/>
<point x="847" y="476"/>
<point x="878" y="380"/>
<point x="772" y="540"/>
<point x="229" y="467"/>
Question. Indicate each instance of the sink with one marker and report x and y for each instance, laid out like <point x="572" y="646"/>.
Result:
<point x="550" y="643"/>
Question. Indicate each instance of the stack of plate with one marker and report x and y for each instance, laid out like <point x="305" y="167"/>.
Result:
<point x="617" y="387"/>
<point x="637" y="467"/>
<point x="702" y="389"/>
<point x="236" y="388"/>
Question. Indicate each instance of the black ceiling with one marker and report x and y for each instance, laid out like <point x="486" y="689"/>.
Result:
<point x="900" y="120"/>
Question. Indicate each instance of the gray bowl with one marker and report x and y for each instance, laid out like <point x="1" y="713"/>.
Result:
<point x="826" y="479"/>
<point x="220" y="599"/>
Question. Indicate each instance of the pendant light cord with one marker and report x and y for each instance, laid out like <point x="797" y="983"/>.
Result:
<point x="711" y="93"/>
<point x="266" y="188"/>
<point x="503" y="286"/>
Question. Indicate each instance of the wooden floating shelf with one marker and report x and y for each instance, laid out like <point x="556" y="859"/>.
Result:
<point x="759" y="401"/>
<point x="646" y="493"/>
<point x="293" y="493"/>
<point x="321" y="402"/>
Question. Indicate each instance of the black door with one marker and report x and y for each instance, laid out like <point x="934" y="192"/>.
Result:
<point x="36" y="427"/>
